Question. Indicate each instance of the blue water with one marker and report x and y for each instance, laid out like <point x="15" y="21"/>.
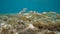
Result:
<point x="14" y="6"/>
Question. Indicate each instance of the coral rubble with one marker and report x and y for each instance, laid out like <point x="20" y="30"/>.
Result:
<point x="30" y="23"/>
